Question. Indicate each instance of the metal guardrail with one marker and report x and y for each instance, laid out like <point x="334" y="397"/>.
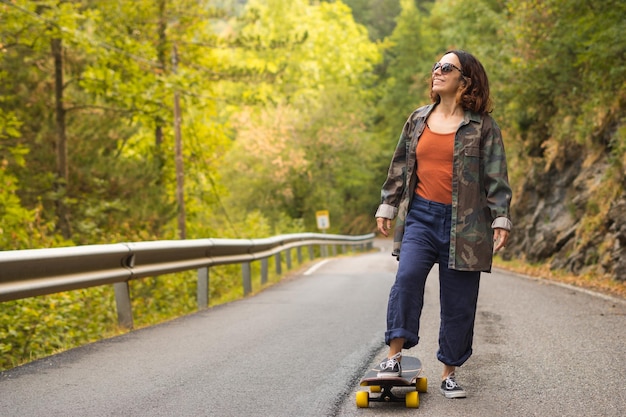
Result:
<point x="34" y="272"/>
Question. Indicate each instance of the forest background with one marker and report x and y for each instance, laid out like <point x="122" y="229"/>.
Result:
<point x="282" y="108"/>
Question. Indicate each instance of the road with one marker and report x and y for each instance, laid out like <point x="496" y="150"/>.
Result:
<point x="300" y="347"/>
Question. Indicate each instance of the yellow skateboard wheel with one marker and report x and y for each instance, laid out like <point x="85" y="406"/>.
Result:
<point x="421" y="384"/>
<point x="362" y="399"/>
<point x="412" y="399"/>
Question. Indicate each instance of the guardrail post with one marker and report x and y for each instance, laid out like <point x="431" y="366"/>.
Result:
<point x="279" y="267"/>
<point x="288" y="258"/>
<point x="203" y="288"/>
<point x="299" y="254"/>
<point x="246" y="271"/>
<point x="334" y="250"/>
<point x="311" y="253"/>
<point x="264" y="268"/>
<point x="122" y="302"/>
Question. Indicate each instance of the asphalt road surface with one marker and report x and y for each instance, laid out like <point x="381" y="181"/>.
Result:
<point x="300" y="347"/>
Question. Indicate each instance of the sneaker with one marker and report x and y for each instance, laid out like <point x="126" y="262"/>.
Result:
<point x="450" y="389"/>
<point x="391" y="366"/>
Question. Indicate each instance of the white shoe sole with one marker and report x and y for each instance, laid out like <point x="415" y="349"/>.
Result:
<point x="453" y="394"/>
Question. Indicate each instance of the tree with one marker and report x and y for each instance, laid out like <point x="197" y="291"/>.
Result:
<point x="379" y="16"/>
<point x="404" y="76"/>
<point x="567" y="42"/>
<point x="307" y="148"/>
<point x="105" y="69"/>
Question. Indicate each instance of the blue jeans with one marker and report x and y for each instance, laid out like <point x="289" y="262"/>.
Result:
<point x="426" y="242"/>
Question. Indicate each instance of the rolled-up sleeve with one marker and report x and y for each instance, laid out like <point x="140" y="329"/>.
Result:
<point x="387" y="211"/>
<point x="502" y="223"/>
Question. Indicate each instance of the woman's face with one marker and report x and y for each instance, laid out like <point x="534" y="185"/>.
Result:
<point x="446" y="76"/>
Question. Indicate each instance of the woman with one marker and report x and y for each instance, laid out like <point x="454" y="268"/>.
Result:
<point x="448" y="187"/>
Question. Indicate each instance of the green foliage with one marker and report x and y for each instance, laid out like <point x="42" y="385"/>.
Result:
<point x="379" y="16"/>
<point x="618" y="146"/>
<point x="160" y="298"/>
<point x="572" y="45"/>
<point x="40" y="326"/>
<point x="15" y="220"/>
<point x="307" y="147"/>
<point x="409" y="55"/>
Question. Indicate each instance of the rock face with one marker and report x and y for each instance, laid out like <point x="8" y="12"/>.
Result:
<point x="551" y="217"/>
<point x="617" y="227"/>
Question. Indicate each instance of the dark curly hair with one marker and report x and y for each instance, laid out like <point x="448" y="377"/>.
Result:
<point x="475" y="94"/>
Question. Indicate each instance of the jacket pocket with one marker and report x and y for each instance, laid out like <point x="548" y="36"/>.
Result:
<point x="470" y="166"/>
<point x="472" y="151"/>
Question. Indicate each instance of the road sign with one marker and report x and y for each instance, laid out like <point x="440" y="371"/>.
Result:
<point x="323" y="219"/>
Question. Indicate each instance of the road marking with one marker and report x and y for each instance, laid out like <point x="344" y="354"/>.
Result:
<point x="315" y="267"/>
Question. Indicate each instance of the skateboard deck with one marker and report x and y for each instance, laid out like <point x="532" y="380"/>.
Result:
<point x="389" y="389"/>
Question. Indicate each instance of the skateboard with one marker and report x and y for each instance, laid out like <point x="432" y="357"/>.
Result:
<point x="388" y="389"/>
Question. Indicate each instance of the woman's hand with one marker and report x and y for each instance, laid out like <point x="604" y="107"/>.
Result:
<point x="500" y="238"/>
<point x="383" y="225"/>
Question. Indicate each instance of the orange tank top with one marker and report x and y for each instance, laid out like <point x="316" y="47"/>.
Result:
<point x="434" y="156"/>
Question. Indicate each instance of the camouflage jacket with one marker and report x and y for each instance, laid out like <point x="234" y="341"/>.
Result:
<point x="481" y="194"/>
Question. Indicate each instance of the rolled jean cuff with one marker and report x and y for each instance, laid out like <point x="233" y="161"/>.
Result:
<point x="410" y="339"/>
<point x="453" y="362"/>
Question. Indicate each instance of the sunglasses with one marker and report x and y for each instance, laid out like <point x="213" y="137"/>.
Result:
<point x="446" y="68"/>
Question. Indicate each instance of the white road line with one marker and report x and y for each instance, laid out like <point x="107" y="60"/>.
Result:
<point x="316" y="266"/>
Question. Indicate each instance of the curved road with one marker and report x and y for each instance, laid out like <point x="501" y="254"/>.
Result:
<point x="300" y="347"/>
